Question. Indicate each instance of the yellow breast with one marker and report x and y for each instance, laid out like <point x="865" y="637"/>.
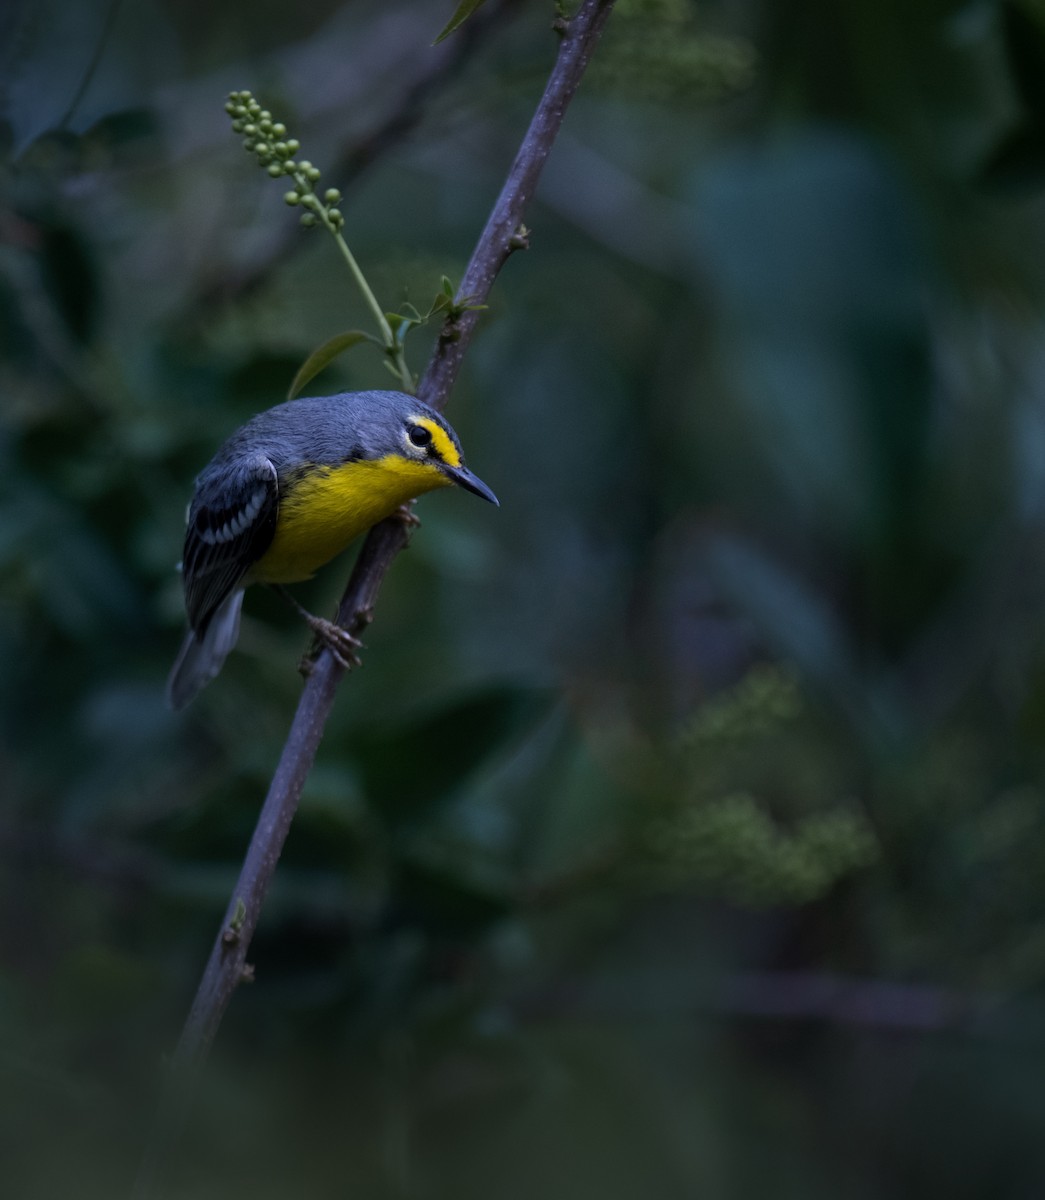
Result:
<point x="325" y="508"/>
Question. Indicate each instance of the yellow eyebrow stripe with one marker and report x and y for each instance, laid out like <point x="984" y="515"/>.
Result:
<point x="441" y="443"/>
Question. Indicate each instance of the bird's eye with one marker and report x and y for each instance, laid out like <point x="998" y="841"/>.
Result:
<point x="419" y="435"/>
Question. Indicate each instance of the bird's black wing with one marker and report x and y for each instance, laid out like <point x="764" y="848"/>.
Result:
<point x="232" y="520"/>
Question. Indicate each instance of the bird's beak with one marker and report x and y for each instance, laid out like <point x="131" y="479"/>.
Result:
<point x="471" y="483"/>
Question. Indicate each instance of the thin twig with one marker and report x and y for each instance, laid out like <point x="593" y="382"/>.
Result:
<point x="228" y="966"/>
<point x="504" y="230"/>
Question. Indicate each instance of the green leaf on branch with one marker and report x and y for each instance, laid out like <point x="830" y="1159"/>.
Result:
<point x="324" y="355"/>
<point x="400" y="327"/>
<point x="461" y="14"/>
<point x="451" y="309"/>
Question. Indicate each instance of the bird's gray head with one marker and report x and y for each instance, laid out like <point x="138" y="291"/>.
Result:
<point x="402" y="434"/>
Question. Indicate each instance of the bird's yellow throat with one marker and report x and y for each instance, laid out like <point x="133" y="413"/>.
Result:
<point x="322" y="509"/>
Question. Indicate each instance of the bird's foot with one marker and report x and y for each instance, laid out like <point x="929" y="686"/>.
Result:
<point x="407" y="517"/>
<point x="341" y="644"/>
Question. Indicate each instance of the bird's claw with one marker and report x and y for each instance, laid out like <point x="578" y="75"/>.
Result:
<point x="407" y="517"/>
<point x="341" y="644"/>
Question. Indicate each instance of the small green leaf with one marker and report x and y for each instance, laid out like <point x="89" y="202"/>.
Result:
<point x="401" y="324"/>
<point x="448" y="288"/>
<point x="324" y="355"/>
<point x="463" y="11"/>
<point x="455" y="309"/>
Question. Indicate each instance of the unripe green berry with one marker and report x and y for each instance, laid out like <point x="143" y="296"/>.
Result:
<point x="291" y="166"/>
<point x="262" y="147"/>
<point x="335" y="216"/>
<point x="244" y="95"/>
<point x="230" y="108"/>
<point x="266" y="115"/>
<point x="248" y="143"/>
<point x="313" y="173"/>
<point x="310" y="201"/>
<point x="305" y="165"/>
<point x="237" y="126"/>
<point x="280" y="148"/>
<point x="279" y="129"/>
<point x="291" y="198"/>
<point x="293" y="145"/>
<point x="308" y="220"/>
<point x="250" y="130"/>
<point x="275" y="170"/>
<point x="331" y="195"/>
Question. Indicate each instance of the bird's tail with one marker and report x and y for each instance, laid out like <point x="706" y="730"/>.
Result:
<point x="201" y="658"/>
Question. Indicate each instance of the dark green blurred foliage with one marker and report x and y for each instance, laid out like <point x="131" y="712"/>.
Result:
<point x="684" y="831"/>
<point x="659" y="50"/>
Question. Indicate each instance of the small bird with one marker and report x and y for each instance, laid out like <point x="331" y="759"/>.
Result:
<point x="286" y="493"/>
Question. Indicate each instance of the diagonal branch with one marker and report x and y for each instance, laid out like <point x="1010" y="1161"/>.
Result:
<point x="504" y="232"/>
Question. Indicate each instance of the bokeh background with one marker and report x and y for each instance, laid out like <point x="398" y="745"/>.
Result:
<point x="683" y="835"/>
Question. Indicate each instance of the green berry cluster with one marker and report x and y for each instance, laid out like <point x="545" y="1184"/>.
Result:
<point x="267" y="139"/>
